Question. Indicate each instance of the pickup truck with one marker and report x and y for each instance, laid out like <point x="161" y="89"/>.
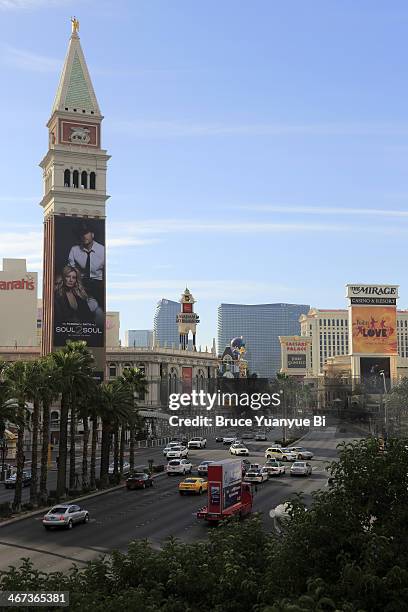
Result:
<point x="197" y="443"/>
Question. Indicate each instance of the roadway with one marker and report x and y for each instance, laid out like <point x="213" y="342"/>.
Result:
<point x="121" y="516"/>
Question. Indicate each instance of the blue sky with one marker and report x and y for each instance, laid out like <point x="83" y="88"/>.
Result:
<point x="259" y="149"/>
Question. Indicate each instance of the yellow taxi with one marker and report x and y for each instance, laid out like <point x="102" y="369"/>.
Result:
<point x="193" y="484"/>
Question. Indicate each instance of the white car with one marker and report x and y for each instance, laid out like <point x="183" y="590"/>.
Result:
<point x="301" y="468"/>
<point x="276" y="452"/>
<point x="65" y="515"/>
<point x="177" y="452"/>
<point x="169" y="446"/>
<point x="197" y="443"/>
<point x="275" y="467"/>
<point x="179" y="466"/>
<point x="126" y="468"/>
<point x="260" y="437"/>
<point x="300" y="452"/>
<point x="229" y="440"/>
<point x="239" y="449"/>
<point x="256" y="475"/>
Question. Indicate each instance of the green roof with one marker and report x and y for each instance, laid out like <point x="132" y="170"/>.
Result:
<point x="78" y="95"/>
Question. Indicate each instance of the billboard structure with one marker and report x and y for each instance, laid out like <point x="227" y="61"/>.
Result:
<point x="373" y="334"/>
<point x="79" y="281"/>
<point x="295" y="354"/>
<point x="374" y="329"/>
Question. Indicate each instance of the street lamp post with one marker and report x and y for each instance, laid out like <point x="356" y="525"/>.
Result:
<point x="384" y="403"/>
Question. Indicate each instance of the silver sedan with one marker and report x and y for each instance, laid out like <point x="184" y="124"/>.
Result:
<point x="65" y="515"/>
<point x="301" y="468"/>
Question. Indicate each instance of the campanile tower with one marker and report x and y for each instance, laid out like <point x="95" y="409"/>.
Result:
<point x="74" y="173"/>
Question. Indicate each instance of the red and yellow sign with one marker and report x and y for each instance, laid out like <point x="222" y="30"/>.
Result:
<point x="374" y="330"/>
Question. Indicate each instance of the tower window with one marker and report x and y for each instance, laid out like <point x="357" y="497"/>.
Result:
<point x="84" y="180"/>
<point x="92" y="112"/>
<point x="74" y="109"/>
<point x="75" y="179"/>
<point x="83" y="111"/>
<point x="92" y="180"/>
<point x="67" y="178"/>
<point x="66" y="108"/>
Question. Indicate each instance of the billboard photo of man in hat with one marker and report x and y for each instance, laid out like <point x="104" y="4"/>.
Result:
<point x="89" y="258"/>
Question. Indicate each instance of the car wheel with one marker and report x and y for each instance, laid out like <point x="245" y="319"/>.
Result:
<point x="86" y="519"/>
<point x="200" y="491"/>
<point x="151" y="483"/>
<point x="184" y="472"/>
<point x="47" y="527"/>
<point x="269" y="456"/>
<point x="70" y="524"/>
<point x="181" y="492"/>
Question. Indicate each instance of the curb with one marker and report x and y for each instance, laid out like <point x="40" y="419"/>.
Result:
<point x="28" y="515"/>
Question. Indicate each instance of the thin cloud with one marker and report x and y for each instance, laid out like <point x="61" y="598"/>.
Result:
<point x="30" y="4"/>
<point x="169" y="226"/>
<point x="139" y="290"/>
<point x="176" y="128"/>
<point x="124" y="242"/>
<point x="325" y="210"/>
<point x="27" y="60"/>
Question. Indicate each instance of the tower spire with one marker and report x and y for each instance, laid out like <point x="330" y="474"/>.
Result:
<point x="75" y="92"/>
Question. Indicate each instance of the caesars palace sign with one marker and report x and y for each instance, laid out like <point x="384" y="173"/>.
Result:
<point x="25" y="283"/>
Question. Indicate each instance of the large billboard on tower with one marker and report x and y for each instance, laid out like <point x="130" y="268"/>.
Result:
<point x="374" y="329"/>
<point x="79" y="281"/>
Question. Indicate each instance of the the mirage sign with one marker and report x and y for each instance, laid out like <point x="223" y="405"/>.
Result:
<point x="373" y="295"/>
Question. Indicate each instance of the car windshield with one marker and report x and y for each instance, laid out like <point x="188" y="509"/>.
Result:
<point x="139" y="475"/>
<point x="204" y="463"/>
<point x="174" y="462"/>
<point x="176" y="448"/>
<point x="191" y="480"/>
<point x="299" y="464"/>
<point x="253" y="473"/>
<point x="58" y="510"/>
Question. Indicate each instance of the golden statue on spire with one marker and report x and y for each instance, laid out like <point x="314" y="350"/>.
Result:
<point x="74" y="25"/>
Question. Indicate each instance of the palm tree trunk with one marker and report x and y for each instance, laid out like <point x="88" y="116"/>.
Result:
<point x="34" y="452"/>
<point x="85" y="453"/>
<point x="94" y="439"/>
<point x="72" y="466"/>
<point x="122" y="448"/>
<point x="62" y="462"/>
<point x="19" y="460"/>
<point x="132" y="448"/>
<point x="116" y="454"/>
<point x="105" y="453"/>
<point x="44" y="452"/>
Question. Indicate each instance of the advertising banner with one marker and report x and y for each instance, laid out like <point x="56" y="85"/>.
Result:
<point x="297" y="361"/>
<point x="231" y="483"/>
<point x="79" y="281"/>
<point x="374" y="329"/>
<point x="187" y="379"/>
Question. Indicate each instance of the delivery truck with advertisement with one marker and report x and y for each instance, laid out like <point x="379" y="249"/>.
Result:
<point x="227" y="494"/>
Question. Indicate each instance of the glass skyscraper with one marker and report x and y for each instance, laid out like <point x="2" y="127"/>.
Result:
<point x="260" y="325"/>
<point x="165" y="329"/>
<point x="140" y="338"/>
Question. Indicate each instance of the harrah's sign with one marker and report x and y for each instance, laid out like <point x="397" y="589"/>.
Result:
<point x="27" y="284"/>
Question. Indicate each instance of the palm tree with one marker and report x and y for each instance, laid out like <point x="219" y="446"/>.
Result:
<point x="74" y="366"/>
<point x="135" y="380"/>
<point x="8" y="408"/>
<point x="87" y="405"/>
<point x="48" y="393"/>
<point x="16" y="374"/>
<point x="34" y="374"/>
<point x="116" y="406"/>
